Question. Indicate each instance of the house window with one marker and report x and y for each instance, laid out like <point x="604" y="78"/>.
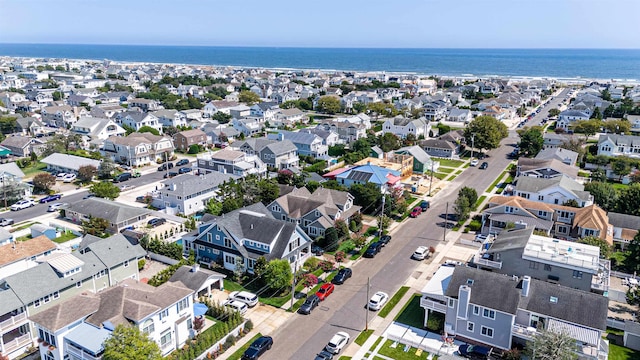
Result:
<point x="562" y="229"/>
<point x="200" y="247"/>
<point x="165" y="340"/>
<point x="470" y="326"/>
<point x="227" y="243"/>
<point x="126" y="263"/>
<point x="476" y="310"/>
<point x="533" y="265"/>
<point x="451" y="303"/>
<point x="164" y="314"/>
<point x="79" y="284"/>
<point x="540" y="197"/>
<point x="36" y="303"/>
<point x="489" y="314"/>
<point x="215" y="251"/>
<point x="183" y="304"/>
<point x="589" y="232"/>
<point x="509" y="209"/>
<point x="577" y="274"/>
<point x="547" y="267"/>
<point x="217" y="236"/>
<point x="56" y="295"/>
<point x="542" y="213"/>
<point x="209" y="238"/>
<point x="148" y="327"/>
<point x="486" y="331"/>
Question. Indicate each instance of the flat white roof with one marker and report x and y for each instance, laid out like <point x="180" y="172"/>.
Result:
<point x="439" y="282"/>
<point x="561" y="252"/>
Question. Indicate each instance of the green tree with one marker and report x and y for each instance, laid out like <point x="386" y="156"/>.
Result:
<point x="149" y="129"/>
<point x="469" y="193"/>
<point x="248" y="97"/>
<point x="587" y="127"/>
<point x="105" y="189"/>
<point x="44" y="181"/>
<point x="268" y="190"/>
<point x="531" y="141"/>
<point x="632" y="261"/>
<point x="330" y="240"/>
<point x="94" y="226"/>
<point x="221" y="117"/>
<point x="382" y="109"/>
<point x="105" y="169"/>
<point x="129" y="343"/>
<point x="462" y="208"/>
<point x="194" y="149"/>
<point x="86" y="173"/>
<point x="278" y="274"/>
<point x="488" y="132"/>
<point x="328" y="104"/>
<point x="554" y="112"/>
<point x="260" y="266"/>
<point x="621" y="166"/>
<point x="605" y="248"/>
<point x="551" y="345"/>
<point x="629" y="200"/>
<point x="213" y="207"/>
<point x="366" y="195"/>
<point x="389" y="142"/>
<point x="598" y="175"/>
<point x="604" y="194"/>
<point x="57" y="95"/>
<point x="617" y="126"/>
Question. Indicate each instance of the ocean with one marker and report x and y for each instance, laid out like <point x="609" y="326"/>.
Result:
<point x="619" y="64"/>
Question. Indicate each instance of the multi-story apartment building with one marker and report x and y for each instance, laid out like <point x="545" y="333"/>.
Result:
<point x="138" y="149"/>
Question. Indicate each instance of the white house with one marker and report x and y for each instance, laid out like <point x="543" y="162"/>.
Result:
<point x="171" y="117"/>
<point x="401" y="127"/>
<point x="557" y="190"/>
<point x="187" y="194"/>
<point x="137" y="119"/>
<point x="97" y="128"/>
<point x="138" y="148"/>
<point x="619" y="145"/>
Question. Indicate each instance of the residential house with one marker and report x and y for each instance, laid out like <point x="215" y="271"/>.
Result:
<point x="187" y="194"/>
<point x="402" y="127"/>
<point x="145" y="105"/>
<point x="556" y="190"/>
<point x="136" y="120"/>
<point x="435" y="110"/>
<point x="265" y="110"/>
<point x="567" y="263"/>
<point x="568" y="117"/>
<point x="23" y="146"/>
<point x="307" y="144"/>
<point x="248" y="126"/>
<point x="22" y="255"/>
<point x="625" y="228"/>
<point x="503" y="311"/>
<point x="61" y="115"/>
<point x="11" y="99"/>
<point x="184" y="139"/>
<point x="275" y="154"/>
<point x="6" y="237"/>
<point x="78" y="327"/>
<point x="233" y="162"/>
<point x="118" y="215"/>
<point x="553" y="140"/>
<point x="566" y="156"/>
<point x="563" y="222"/>
<point x="368" y="173"/>
<point x="219" y="106"/>
<point x="440" y="148"/>
<point x="619" y="145"/>
<point x="138" y="149"/>
<point x="68" y="164"/>
<point x="80" y="100"/>
<point x="347" y="132"/>
<point x="29" y="126"/>
<point x="288" y="117"/>
<point x="192" y="114"/>
<point x="98" y="264"/>
<point x="314" y="212"/>
<point x="171" y="117"/>
<point x="240" y="111"/>
<point x="218" y="134"/>
<point x="329" y="138"/>
<point x="460" y="115"/>
<point x="545" y="168"/>
<point x="14" y="188"/>
<point x="202" y="282"/>
<point x="422" y="162"/>
<point x="240" y="237"/>
<point x="97" y="128"/>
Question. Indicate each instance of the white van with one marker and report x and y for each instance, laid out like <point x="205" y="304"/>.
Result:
<point x="236" y="305"/>
<point x="245" y="297"/>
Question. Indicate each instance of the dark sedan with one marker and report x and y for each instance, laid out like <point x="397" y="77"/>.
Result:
<point x="184" y="170"/>
<point x="309" y="304"/>
<point x="373" y="249"/>
<point x="257" y="348"/>
<point x="384" y="240"/>
<point x="342" y="276"/>
<point x="50" y="198"/>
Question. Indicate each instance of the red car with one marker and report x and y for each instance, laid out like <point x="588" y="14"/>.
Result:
<point x="325" y="290"/>
<point x="416" y="211"/>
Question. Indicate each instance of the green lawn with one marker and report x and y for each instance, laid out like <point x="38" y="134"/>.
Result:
<point x="375" y="343"/>
<point x="398" y="352"/>
<point x="395" y="299"/>
<point x="495" y="183"/>
<point x="65" y="237"/>
<point x="458" y="172"/>
<point x="450" y="162"/>
<point x="444" y="170"/>
<point x="617" y="352"/>
<point x="32" y="170"/>
<point x="238" y="354"/>
<point x="440" y="176"/>
<point x="363" y="336"/>
<point x="412" y="314"/>
<point x="479" y="202"/>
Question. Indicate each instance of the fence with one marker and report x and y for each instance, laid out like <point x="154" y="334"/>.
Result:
<point x="163" y="259"/>
<point x="616" y="324"/>
<point x="422" y="339"/>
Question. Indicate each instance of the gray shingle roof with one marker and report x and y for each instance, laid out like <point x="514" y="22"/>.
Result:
<point x="534" y="185"/>
<point x="624" y="221"/>
<point x="299" y="137"/>
<point x="9" y="301"/>
<point x="490" y="290"/>
<point x="102" y="208"/>
<point x="68" y="312"/>
<point x="193" y="280"/>
<point x="417" y="152"/>
<point x="69" y="161"/>
<point x="188" y="184"/>
<point x="509" y="240"/>
<point x="114" y="250"/>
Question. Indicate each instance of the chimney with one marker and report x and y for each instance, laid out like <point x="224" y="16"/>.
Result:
<point x="526" y="283"/>
<point x="195" y="268"/>
<point x="464" y="295"/>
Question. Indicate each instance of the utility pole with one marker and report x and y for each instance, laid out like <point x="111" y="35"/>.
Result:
<point x="366" y="314"/>
<point x="431" y="177"/>
<point x="473" y="136"/>
<point x="293" y="282"/>
<point x="4" y="189"/>
<point x="382" y="213"/>
<point x="446" y="222"/>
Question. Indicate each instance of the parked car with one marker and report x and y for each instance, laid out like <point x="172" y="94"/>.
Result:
<point x="126" y="187"/>
<point x="384" y="240"/>
<point x="474" y="351"/>
<point x="474" y="162"/>
<point x="309" y="304"/>
<point x="236" y="305"/>
<point x="324" y="355"/>
<point x="245" y="296"/>
<point x="60" y="176"/>
<point x="182" y="162"/>
<point x="373" y="249"/>
<point x="22" y="204"/>
<point x="170" y="174"/>
<point x="184" y="170"/>
<point x="50" y="198"/>
<point x="484" y="165"/>
<point x="258" y="347"/>
<point x="337" y="342"/>
<point x="317" y="250"/>
<point x="124" y="167"/>
<point x="420" y="253"/>
<point x="140" y="198"/>
<point x="164" y="166"/>
<point x="416" y="211"/>
<point x="378" y="300"/>
<point x="156" y="222"/>
<point x="6" y="222"/>
<point x="122" y="177"/>
<point x="136" y="174"/>
<point x="88" y="196"/>
<point x="325" y="290"/>
<point x="55" y="207"/>
<point x="69" y="178"/>
<point x="482" y="237"/>
<point x="342" y="276"/>
<point x="424" y="204"/>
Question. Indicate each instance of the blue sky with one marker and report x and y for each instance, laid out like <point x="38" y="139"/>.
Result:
<point x="327" y="23"/>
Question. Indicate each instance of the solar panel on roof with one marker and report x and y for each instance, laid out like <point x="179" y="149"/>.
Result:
<point x="359" y="176"/>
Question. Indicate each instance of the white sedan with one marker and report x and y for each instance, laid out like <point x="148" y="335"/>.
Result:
<point x="474" y="162"/>
<point x="60" y="176"/>
<point x="378" y="300"/>
<point x="22" y="204"/>
<point x="69" y="178"/>
<point x="420" y="253"/>
<point x="55" y="207"/>
<point x="337" y="342"/>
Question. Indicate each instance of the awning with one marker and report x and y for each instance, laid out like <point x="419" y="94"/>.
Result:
<point x="199" y="309"/>
<point x="577" y="332"/>
<point x="4" y="151"/>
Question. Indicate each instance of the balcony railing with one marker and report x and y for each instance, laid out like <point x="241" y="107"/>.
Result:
<point x="17" y="343"/>
<point x="478" y="260"/>
<point x="525" y="332"/>
<point x="79" y="353"/>
<point x="433" y="305"/>
<point x="12" y="321"/>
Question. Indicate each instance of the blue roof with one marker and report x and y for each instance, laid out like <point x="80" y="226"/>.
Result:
<point x="199" y="309"/>
<point x="378" y="175"/>
<point x="88" y="337"/>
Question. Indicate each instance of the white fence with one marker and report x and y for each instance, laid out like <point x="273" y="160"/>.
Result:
<point x="422" y="339"/>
